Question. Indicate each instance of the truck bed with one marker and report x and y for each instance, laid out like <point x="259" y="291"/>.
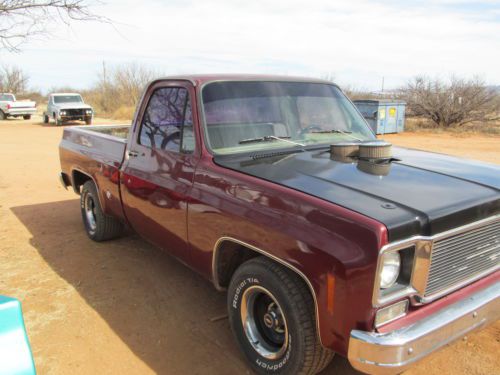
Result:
<point x="96" y="152"/>
<point x="18" y="108"/>
<point x="101" y="144"/>
<point x="118" y="131"/>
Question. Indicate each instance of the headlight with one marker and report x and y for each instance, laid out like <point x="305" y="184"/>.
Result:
<point x="62" y="113"/>
<point x="89" y="111"/>
<point x="391" y="265"/>
<point x="399" y="272"/>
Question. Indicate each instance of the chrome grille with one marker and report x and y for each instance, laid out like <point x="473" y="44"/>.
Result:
<point x="75" y="112"/>
<point x="464" y="256"/>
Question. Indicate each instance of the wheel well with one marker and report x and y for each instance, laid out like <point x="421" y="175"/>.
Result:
<point x="228" y="257"/>
<point x="78" y="179"/>
<point x="230" y="253"/>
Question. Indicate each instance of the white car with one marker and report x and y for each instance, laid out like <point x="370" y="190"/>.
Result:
<point x="10" y="107"/>
<point x="64" y="107"/>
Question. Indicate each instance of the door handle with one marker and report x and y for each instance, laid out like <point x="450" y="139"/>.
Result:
<point x="133" y="154"/>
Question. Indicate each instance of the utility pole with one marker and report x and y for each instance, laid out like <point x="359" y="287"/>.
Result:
<point x="104" y="72"/>
<point x="383" y="83"/>
<point x="104" y="86"/>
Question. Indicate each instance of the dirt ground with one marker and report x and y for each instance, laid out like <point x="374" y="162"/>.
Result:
<point x="471" y="146"/>
<point x="124" y="307"/>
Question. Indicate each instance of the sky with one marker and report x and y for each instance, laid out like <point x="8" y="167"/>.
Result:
<point x="359" y="43"/>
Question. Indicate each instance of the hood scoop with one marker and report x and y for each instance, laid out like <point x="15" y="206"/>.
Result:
<point x="372" y="157"/>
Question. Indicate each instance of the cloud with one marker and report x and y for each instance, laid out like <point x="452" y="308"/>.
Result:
<point x="358" y="41"/>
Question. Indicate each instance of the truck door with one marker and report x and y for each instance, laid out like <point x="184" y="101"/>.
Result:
<point x="158" y="171"/>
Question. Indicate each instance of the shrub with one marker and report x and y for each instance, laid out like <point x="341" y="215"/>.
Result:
<point x="452" y="104"/>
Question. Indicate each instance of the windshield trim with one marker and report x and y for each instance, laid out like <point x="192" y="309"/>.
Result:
<point x="319" y="145"/>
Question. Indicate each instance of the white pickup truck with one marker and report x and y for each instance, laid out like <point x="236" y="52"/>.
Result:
<point x="10" y="107"/>
<point x="64" y="107"/>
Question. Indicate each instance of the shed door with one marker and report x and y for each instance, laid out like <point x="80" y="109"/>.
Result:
<point x="391" y="122"/>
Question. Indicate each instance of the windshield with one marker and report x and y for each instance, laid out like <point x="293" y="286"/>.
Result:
<point x="68" y="99"/>
<point x="253" y="116"/>
<point x="6" y="98"/>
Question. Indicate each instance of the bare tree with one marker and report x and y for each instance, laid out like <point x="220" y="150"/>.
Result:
<point x="24" y="19"/>
<point x="13" y="79"/>
<point x="130" y="79"/>
<point x="453" y="103"/>
<point x="120" y="86"/>
<point x="328" y="76"/>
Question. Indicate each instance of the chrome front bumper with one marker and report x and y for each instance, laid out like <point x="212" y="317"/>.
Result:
<point x="394" y="352"/>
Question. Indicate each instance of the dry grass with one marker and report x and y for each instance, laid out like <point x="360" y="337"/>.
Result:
<point x="124" y="113"/>
<point x="419" y="124"/>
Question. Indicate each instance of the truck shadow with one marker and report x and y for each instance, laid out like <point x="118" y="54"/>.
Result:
<point x="159" y="308"/>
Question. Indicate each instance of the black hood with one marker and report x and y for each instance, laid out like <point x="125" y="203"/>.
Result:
<point x="421" y="193"/>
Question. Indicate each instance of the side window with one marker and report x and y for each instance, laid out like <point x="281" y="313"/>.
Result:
<point x="167" y="122"/>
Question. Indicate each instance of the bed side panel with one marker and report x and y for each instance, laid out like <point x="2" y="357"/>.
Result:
<point x="99" y="156"/>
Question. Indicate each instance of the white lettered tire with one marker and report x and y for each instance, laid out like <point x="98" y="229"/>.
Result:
<point x="98" y="225"/>
<point x="272" y="316"/>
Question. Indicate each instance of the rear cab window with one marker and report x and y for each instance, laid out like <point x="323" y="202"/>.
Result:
<point x="7" y="98"/>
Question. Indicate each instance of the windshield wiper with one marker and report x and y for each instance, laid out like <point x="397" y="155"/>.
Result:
<point x="269" y="138"/>
<point x="332" y="131"/>
<point x="348" y="133"/>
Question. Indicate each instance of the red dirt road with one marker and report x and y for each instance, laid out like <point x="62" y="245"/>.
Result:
<point x="123" y="307"/>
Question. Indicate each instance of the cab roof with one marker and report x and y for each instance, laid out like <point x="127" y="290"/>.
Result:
<point x="200" y="79"/>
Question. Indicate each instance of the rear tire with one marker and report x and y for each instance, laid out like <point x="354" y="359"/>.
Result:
<point x="99" y="227"/>
<point x="46" y="119"/>
<point x="2" y="116"/>
<point x="27" y="117"/>
<point x="272" y="316"/>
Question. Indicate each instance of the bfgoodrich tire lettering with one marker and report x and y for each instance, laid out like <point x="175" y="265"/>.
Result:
<point x="292" y="309"/>
<point x="99" y="227"/>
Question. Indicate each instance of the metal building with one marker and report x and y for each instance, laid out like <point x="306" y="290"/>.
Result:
<point x="383" y="115"/>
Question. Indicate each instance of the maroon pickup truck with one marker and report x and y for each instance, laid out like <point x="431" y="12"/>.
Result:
<point x="326" y="240"/>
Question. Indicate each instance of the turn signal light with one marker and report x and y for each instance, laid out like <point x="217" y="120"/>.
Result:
<point x="391" y="313"/>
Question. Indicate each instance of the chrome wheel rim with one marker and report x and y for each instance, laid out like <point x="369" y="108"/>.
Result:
<point x="264" y="323"/>
<point x="89" y="209"/>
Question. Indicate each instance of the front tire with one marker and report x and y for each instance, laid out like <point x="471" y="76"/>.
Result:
<point x="99" y="227"/>
<point x="88" y="120"/>
<point x="272" y="316"/>
<point x="46" y="119"/>
<point x="57" y="120"/>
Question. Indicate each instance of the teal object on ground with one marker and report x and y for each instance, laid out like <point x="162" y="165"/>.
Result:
<point x="15" y="351"/>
